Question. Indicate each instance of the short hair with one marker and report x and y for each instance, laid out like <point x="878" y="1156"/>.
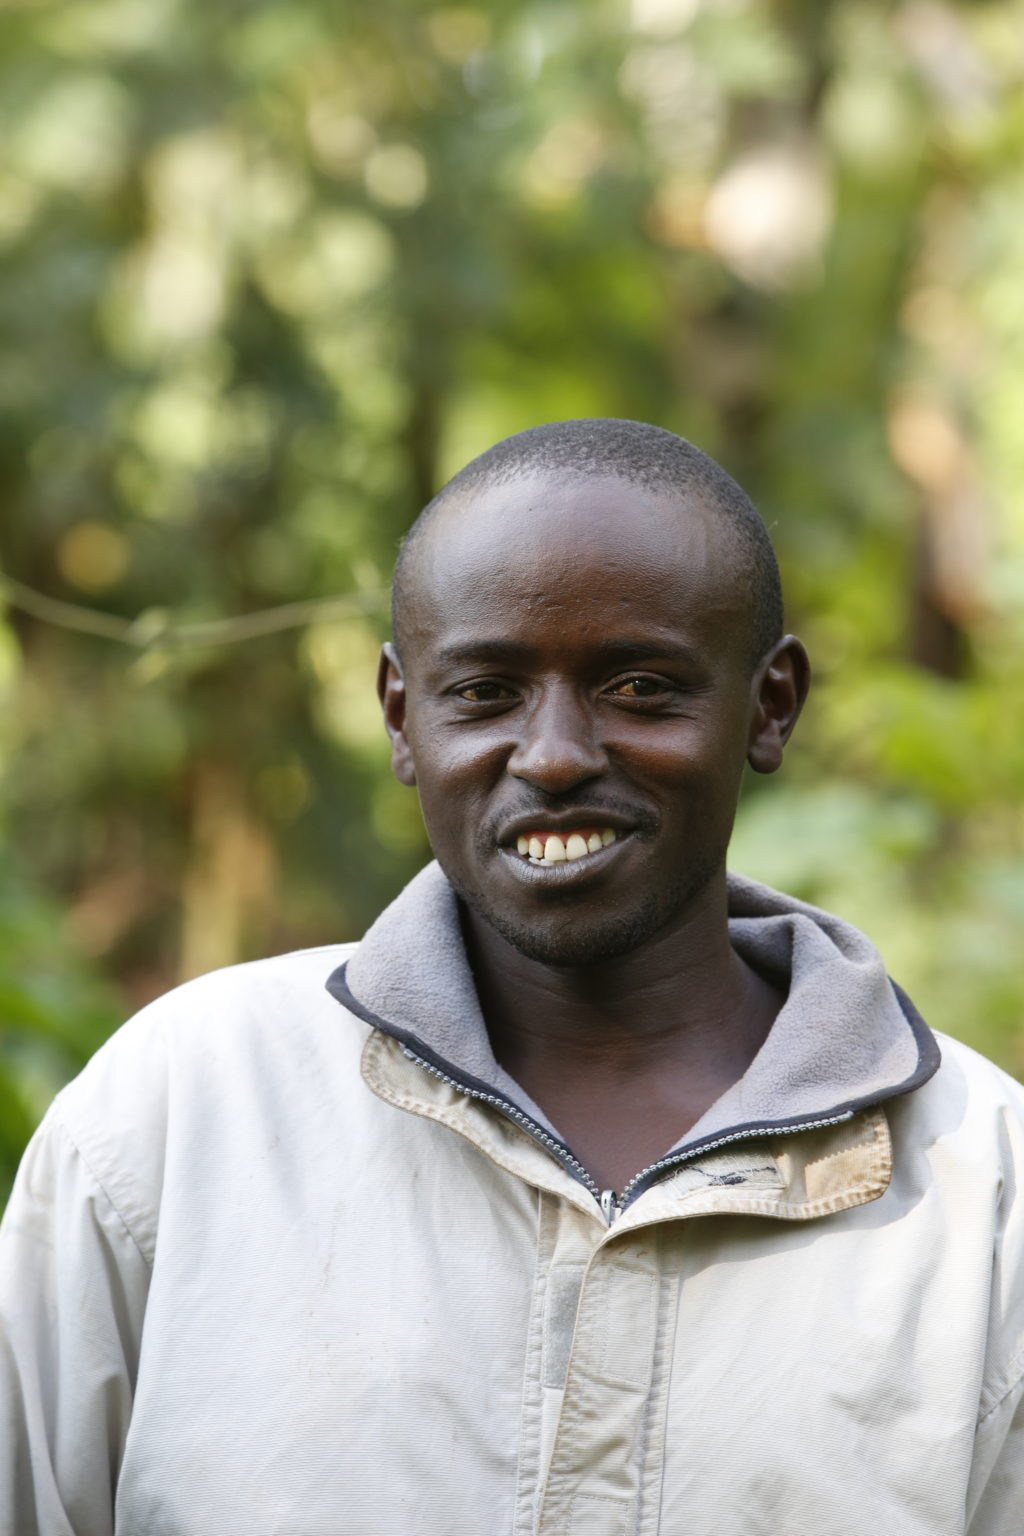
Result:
<point x="636" y="452"/>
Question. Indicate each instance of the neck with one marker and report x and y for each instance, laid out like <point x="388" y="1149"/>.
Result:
<point x="626" y="1056"/>
<point x="684" y="996"/>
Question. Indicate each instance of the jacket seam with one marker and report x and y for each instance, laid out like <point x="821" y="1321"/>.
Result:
<point x="1015" y="1368"/>
<point x="570" y="1420"/>
<point x="528" y="1462"/>
<point x="62" y="1126"/>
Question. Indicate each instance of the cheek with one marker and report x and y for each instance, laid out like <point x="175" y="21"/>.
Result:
<point x="449" y="759"/>
<point x="696" y="771"/>
<point x="664" y="753"/>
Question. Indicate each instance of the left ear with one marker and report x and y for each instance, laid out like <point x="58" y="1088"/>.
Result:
<point x="779" y="689"/>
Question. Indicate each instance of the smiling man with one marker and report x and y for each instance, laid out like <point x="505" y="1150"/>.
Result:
<point x="619" y="1197"/>
<point x="585" y="660"/>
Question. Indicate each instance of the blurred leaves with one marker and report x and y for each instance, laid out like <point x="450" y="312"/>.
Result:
<point x="270" y="271"/>
<point x="55" y="1013"/>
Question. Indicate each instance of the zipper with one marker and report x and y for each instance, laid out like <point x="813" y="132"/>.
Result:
<point x="550" y="1143"/>
<point x="610" y="1203"/>
<point x="647" y="1175"/>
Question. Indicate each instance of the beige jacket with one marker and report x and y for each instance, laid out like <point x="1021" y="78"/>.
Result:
<point x="274" y="1267"/>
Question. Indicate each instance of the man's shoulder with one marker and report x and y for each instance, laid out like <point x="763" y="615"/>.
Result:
<point x="237" y="1006"/>
<point x="971" y="1107"/>
<point x="211" y="1042"/>
<point x="255" y="989"/>
<point x="196" y="1087"/>
<point x="240" y="1002"/>
<point x="988" y="1085"/>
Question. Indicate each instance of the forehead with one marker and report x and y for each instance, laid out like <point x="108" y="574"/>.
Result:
<point x="583" y="551"/>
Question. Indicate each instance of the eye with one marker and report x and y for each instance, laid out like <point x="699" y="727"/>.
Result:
<point x="484" y="693"/>
<point x="638" y="688"/>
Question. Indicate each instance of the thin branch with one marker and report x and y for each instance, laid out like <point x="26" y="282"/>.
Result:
<point x="154" y="630"/>
<point x="65" y="615"/>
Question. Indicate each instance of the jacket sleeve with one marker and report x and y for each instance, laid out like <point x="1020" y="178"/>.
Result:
<point x="995" y="1498"/>
<point x="73" y="1286"/>
<point x="995" y="1504"/>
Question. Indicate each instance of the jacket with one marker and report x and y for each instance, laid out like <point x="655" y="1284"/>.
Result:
<point x="276" y="1265"/>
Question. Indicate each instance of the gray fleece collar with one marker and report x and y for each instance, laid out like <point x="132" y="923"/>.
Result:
<point x="846" y="1037"/>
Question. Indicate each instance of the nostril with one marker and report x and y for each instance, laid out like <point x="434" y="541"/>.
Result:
<point x="555" y="770"/>
<point x="558" y="747"/>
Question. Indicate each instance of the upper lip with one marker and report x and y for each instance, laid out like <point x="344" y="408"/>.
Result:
<point x="562" y="821"/>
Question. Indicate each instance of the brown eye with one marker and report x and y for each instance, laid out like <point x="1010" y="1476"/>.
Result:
<point x="484" y="693"/>
<point x="638" y="688"/>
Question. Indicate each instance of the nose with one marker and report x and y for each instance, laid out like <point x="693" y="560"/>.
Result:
<point x="559" y="746"/>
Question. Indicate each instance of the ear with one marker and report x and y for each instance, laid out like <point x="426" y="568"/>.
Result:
<point x="779" y="689"/>
<point x="391" y="692"/>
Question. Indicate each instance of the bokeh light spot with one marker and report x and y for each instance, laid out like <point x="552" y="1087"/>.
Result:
<point x="396" y="175"/>
<point x="93" y="556"/>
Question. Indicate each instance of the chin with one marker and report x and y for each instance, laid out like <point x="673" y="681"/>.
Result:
<point x="573" y="940"/>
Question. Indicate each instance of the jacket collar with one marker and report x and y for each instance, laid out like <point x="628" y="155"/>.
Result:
<point x="846" y="1038"/>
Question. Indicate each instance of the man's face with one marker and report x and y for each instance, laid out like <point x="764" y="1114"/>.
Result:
<point x="576" y="666"/>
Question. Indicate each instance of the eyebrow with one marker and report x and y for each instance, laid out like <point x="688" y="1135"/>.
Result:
<point x="611" y="651"/>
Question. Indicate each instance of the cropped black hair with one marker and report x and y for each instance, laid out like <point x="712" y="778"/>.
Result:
<point x="636" y="452"/>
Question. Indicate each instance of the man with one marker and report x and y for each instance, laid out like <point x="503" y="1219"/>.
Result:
<point x="615" y="1198"/>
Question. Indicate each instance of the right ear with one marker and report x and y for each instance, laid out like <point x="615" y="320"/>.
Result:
<point x="391" y="692"/>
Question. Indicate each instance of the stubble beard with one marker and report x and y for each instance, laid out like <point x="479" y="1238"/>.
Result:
<point x="568" y="940"/>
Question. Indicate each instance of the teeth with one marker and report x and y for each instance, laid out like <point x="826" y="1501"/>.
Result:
<point x="551" y="848"/>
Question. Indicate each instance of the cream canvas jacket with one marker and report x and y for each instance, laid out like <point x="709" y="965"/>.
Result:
<point x="276" y="1265"/>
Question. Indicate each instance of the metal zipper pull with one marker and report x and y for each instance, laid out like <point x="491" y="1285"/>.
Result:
<point x="609" y="1208"/>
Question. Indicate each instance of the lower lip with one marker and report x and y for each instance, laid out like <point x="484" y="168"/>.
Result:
<point x="568" y="871"/>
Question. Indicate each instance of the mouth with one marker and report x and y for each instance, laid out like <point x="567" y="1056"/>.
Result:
<point x="568" y="854"/>
<point x="546" y="849"/>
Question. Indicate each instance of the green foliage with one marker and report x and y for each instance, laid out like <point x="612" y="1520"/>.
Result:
<point x="270" y="270"/>
<point x="55" y="1013"/>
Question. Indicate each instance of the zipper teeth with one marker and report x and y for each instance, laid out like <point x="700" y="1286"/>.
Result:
<point x="537" y="1131"/>
<point x="723" y="1141"/>
<point x="564" y="1156"/>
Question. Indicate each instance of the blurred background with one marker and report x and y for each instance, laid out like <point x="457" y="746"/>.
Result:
<point x="271" y="270"/>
